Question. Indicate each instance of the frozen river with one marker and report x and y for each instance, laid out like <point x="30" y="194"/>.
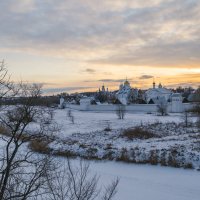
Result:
<point x="145" y="182"/>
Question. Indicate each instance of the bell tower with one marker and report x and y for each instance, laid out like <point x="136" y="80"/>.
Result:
<point x="154" y="84"/>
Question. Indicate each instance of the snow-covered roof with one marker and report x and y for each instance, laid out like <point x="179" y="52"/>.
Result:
<point x="124" y="90"/>
<point x="159" y="90"/>
<point x="176" y="95"/>
<point x="86" y="100"/>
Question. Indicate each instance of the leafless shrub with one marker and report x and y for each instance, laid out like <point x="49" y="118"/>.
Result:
<point x="137" y="133"/>
<point x="186" y="118"/>
<point x="39" y="145"/>
<point x="66" y="154"/>
<point x="153" y="159"/>
<point x="17" y="181"/>
<point x="6" y="86"/>
<point x="110" y="191"/>
<point x="109" y="155"/>
<point x="196" y="109"/>
<point x="4" y="130"/>
<point x="162" y="108"/>
<point x="121" y="111"/>
<point x="172" y="158"/>
<point x="50" y="113"/>
<point x="78" y="184"/>
<point x="163" y="161"/>
<point x="108" y="127"/>
<point x="124" y="155"/>
<point x="70" y="116"/>
<point x="188" y="166"/>
<point x="27" y="175"/>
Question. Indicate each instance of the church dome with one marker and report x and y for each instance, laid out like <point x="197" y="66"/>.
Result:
<point x="126" y="83"/>
<point x="160" y="85"/>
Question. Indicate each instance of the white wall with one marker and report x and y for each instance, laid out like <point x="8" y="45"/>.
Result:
<point x="135" y="108"/>
<point x="188" y="106"/>
<point x="143" y="108"/>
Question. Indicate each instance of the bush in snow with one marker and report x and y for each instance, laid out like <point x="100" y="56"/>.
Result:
<point x="162" y="107"/>
<point x="108" y="128"/>
<point x="137" y="133"/>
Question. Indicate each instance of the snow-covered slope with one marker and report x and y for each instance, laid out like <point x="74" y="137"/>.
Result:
<point x="86" y="122"/>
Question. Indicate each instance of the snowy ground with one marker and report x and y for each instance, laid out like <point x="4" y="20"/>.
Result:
<point x="143" y="182"/>
<point x="137" y="182"/>
<point x="173" y="144"/>
<point x="86" y="122"/>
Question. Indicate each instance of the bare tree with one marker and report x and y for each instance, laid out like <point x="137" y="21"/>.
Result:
<point x="70" y="116"/>
<point x="26" y="175"/>
<point x="21" y="171"/>
<point x="111" y="190"/>
<point x="78" y="184"/>
<point x="50" y="113"/>
<point x="6" y="86"/>
<point x="162" y="107"/>
<point x="196" y="109"/>
<point x="121" y="111"/>
<point x="186" y="118"/>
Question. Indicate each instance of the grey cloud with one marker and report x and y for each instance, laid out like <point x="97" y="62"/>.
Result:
<point x="112" y="80"/>
<point x="63" y="89"/>
<point x="89" y="70"/>
<point x="134" y="32"/>
<point x="182" y="54"/>
<point x="145" y="77"/>
<point x="183" y="84"/>
<point x="93" y="71"/>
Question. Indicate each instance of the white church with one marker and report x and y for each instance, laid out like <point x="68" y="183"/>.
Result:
<point x="153" y="95"/>
<point x="124" y="92"/>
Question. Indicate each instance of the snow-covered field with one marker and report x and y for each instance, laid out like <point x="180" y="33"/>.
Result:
<point x="86" y="122"/>
<point x="137" y="182"/>
<point x="172" y="144"/>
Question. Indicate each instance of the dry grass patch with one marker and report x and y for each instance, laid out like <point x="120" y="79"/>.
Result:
<point x="4" y="131"/>
<point x="137" y="133"/>
<point x="39" y="145"/>
<point x="67" y="154"/>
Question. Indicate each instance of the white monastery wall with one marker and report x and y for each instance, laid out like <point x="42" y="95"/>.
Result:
<point x="143" y="108"/>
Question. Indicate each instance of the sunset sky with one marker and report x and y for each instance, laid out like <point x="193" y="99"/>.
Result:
<point x="78" y="45"/>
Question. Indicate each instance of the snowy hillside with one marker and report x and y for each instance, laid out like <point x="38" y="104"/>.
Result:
<point x="158" y="140"/>
<point x="86" y="122"/>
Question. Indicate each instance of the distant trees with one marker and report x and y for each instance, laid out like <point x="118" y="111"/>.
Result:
<point x="195" y="97"/>
<point x="101" y="97"/>
<point x="6" y="86"/>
